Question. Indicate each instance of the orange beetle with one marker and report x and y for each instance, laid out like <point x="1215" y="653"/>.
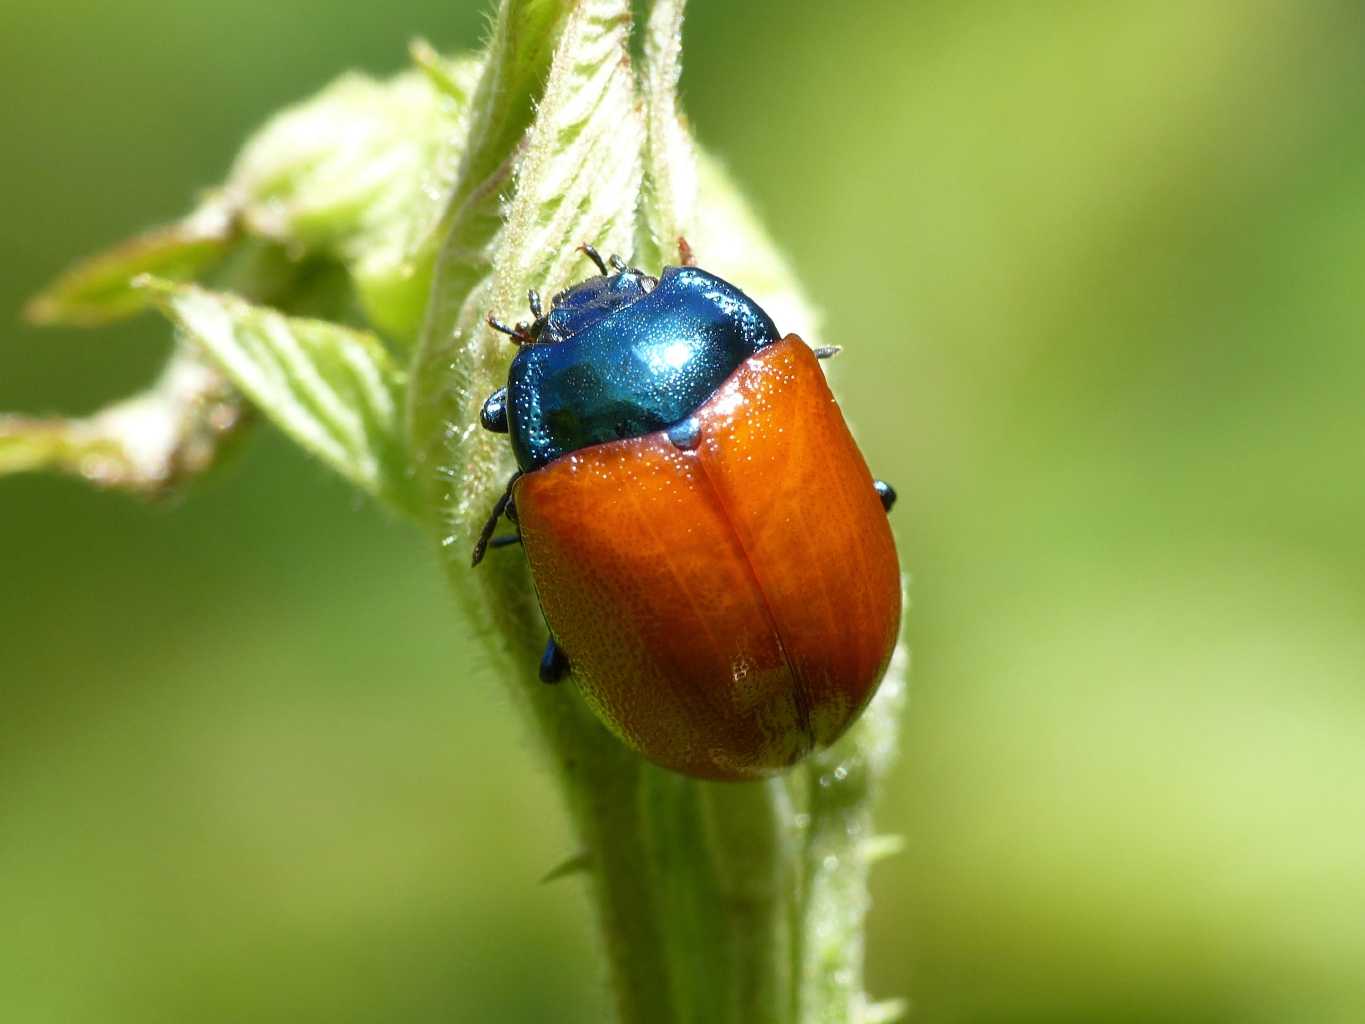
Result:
<point x="709" y="549"/>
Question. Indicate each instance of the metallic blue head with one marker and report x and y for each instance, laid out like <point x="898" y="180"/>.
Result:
<point x="621" y="355"/>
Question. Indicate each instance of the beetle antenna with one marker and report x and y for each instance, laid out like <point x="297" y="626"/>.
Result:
<point x="521" y="333"/>
<point x="685" y="254"/>
<point x="827" y="351"/>
<point x="592" y="254"/>
<point x="533" y="300"/>
<point x="619" y="265"/>
<point x="486" y="534"/>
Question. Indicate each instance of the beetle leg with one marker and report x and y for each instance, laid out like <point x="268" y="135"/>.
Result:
<point x="685" y="255"/>
<point x="554" y="663"/>
<point x="493" y="415"/>
<point x="533" y="300"/>
<point x="486" y="534"/>
<point x="505" y="541"/>
<point x="886" y="492"/>
<point x="827" y="351"/>
<point x="618" y="264"/>
<point x="592" y="254"/>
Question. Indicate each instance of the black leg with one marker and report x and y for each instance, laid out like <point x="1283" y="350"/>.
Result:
<point x="493" y="415"/>
<point x="486" y="534"/>
<point x="554" y="664"/>
<point x="886" y="492"/>
<point x="827" y="351"/>
<point x="505" y="541"/>
<point x="533" y="300"/>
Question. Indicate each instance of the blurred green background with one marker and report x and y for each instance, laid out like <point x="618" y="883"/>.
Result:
<point x="1097" y="271"/>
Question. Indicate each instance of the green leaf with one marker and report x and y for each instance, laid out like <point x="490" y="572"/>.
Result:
<point x="147" y="445"/>
<point x="358" y="174"/>
<point x="513" y="76"/>
<point x="579" y="177"/>
<point x="670" y="195"/>
<point x="334" y="390"/>
<point x="98" y="290"/>
<point x="514" y="73"/>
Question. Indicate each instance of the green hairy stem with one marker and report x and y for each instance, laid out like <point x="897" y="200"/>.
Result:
<point x="338" y="282"/>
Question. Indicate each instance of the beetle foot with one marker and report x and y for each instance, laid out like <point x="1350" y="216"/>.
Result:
<point x="554" y="663"/>
<point x="886" y="492"/>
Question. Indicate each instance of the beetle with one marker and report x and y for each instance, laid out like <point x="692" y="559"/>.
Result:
<point x="710" y="552"/>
